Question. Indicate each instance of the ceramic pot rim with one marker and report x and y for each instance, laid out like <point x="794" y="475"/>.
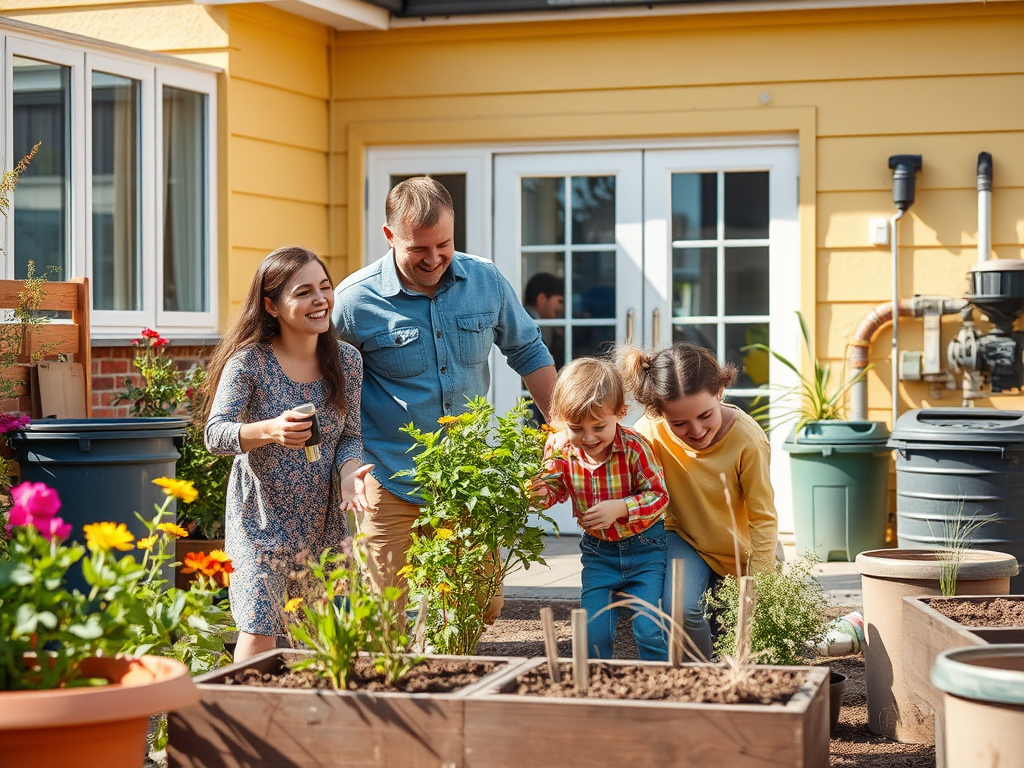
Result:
<point x="964" y="672"/>
<point x="976" y="565"/>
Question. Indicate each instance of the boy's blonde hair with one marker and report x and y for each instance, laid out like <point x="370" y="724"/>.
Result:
<point x="585" y="387"/>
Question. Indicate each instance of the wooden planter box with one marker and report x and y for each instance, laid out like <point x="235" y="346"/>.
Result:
<point x="241" y="727"/>
<point x="504" y="729"/>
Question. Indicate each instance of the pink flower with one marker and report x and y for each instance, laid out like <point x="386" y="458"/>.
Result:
<point x="53" y="529"/>
<point x="12" y="421"/>
<point x="149" y="333"/>
<point x="136" y="342"/>
<point x="32" y="502"/>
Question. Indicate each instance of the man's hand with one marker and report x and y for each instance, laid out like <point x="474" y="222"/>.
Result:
<point x="603" y="514"/>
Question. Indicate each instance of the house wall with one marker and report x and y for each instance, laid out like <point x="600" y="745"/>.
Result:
<point x="856" y="86"/>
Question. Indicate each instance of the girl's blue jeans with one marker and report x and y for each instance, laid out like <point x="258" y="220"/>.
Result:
<point x="699" y="579"/>
<point x="635" y="566"/>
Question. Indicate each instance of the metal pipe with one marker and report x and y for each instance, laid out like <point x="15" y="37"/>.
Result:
<point x="984" y="206"/>
<point x="895" y="316"/>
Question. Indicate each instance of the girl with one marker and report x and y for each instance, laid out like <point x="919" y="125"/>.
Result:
<point x="282" y="509"/>
<point x="699" y="440"/>
<point x="617" y="491"/>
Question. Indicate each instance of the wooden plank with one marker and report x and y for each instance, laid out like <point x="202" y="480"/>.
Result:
<point x="56" y="296"/>
<point x="51" y="339"/>
<point x="80" y="317"/>
<point x="61" y="390"/>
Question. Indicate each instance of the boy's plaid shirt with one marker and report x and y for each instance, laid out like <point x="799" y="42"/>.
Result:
<point x="631" y="472"/>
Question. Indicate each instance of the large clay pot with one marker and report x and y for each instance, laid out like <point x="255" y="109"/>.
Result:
<point x="93" y="727"/>
<point x="984" y="705"/>
<point x="887" y="576"/>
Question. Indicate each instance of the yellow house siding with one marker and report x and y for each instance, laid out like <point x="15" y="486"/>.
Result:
<point x="857" y="86"/>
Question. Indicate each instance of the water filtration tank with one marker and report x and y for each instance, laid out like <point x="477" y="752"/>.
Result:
<point x="958" y="466"/>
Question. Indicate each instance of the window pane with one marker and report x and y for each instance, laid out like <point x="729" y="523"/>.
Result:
<point x="694" y="206"/>
<point x="543" y="293"/>
<point x="186" y="260"/>
<point x="746" y="281"/>
<point x="591" y="340"/>
<point x="593" y="284"/>
<point x="593" y="210"/>
<point x="694" y="282"/>
<point x="746" y="205"/>
<point x="752" y="403"/>
<point x="455" y="183"/>
<point x="543" y="221"/>
<point x="703" y="335"/>
<point x="116" y="251"/>
<point x="752" y="364"/>
<point x="42" y="115"/>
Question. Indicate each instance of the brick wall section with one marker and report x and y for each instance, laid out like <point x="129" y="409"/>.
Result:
<point x="112" y="365"/>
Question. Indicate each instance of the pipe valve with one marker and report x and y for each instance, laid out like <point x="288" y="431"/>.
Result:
<point x="904" y="168"/>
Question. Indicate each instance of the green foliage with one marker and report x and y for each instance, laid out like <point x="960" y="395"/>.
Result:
<point x="207" y="472"/>
<point x="957" y="535"/>
<point x="790" y="613"/>
<point x="818" y="399"/>
<point x="341" y="616"/>
<point x="9" y="180"/>
<point x="163" y="388"/>
<point x="475" y="476"/>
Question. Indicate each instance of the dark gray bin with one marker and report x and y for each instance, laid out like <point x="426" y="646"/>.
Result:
<point x="961" y="461"/>
<point x="103" y="469"/>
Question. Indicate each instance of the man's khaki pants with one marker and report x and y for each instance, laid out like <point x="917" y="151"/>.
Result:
<point x="388" y="527"/>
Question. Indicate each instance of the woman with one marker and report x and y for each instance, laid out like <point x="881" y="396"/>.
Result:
<point x="280" y="352"/>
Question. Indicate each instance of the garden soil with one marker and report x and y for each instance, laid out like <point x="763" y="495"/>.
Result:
<point x="998" y="612"/>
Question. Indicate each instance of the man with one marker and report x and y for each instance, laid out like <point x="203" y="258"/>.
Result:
<point x="425" y="318"/>
<point x="544" y="296"/>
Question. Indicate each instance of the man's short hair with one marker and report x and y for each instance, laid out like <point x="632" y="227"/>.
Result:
<point x="417" y="202"/>
<point x="542" y="282"/>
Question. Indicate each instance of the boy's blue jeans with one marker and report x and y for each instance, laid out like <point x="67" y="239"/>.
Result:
<point x="635" y="566"/>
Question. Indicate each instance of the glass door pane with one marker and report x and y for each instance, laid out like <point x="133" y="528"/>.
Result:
<point x="42" y="199"/>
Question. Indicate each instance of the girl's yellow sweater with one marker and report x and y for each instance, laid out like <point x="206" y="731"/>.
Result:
<point x="697" y="509"/>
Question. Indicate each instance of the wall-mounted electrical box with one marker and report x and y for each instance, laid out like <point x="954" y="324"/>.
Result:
<point x="878" y="231"/>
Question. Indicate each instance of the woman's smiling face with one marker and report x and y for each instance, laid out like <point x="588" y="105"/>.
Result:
<point x="695" y="419"/>
<point x="306" y="302"/>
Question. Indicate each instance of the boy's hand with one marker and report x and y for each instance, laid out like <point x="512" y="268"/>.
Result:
<point x="603" y="514"/>
<point x="539" y="491"/>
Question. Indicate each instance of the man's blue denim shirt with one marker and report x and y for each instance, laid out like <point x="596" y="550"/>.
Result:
<point x="424" y="357"/>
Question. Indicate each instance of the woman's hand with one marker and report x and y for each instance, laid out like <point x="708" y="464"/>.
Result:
<point x="353" y="489"/>
<point x="291" y="429"/>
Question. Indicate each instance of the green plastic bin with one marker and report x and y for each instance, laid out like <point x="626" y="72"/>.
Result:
<point x="840" y="473"/>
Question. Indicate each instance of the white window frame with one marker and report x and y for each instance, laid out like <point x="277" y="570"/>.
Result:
<point x="153" y="72"/>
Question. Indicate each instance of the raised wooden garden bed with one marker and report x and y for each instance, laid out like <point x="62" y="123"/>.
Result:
<point x="237" y="726"/>
<point x="506" y="727"/>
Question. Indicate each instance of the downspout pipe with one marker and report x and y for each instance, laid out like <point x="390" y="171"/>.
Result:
<point x="860" y="344"/>
<point x="904" y="168"/>
<point x="984" y="207"/>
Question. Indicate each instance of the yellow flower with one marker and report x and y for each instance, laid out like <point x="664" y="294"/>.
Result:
<point x="175" y="530"/>
<point x="108" y="536"/>
<point x="220" y="556"/>
<point x="448" y="420"/>
<point x="444" y="589"/>
<point x="405" y="570"/>
<point x="182" y="489"/>
<point x="293" y="605"/>
<point x="443" y="533"/>
<point x="145" y="543"/>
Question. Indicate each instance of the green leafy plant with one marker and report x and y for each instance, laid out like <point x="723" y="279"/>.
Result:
<point x="208" y="473"/>
<point x="790" y="613"/>
<point x="818" y="399"/>
<point x="341" y="616"/>
<point x="163" y="386"/>
<point x="475" y="476"/>
<point x="126" y="609"/>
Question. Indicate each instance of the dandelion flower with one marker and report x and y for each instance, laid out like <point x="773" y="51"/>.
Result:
<point x="146" y="543"/>
<point x="173" y="529"/>
<point x="182" y="489"/>
<point x="107" y="536"/>
<point x="443" y="533"/>
<point x="220" y="556"/>
<point x="293" y="605"/>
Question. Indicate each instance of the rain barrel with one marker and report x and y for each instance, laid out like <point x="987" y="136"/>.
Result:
<point x="961" y="464"/>
<point x="103" y="469"/>
<point x="840" y="472"/>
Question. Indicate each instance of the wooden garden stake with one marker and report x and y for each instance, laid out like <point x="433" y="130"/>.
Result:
<point x="580" y="665"/>
<point x="547" y="619"/>
<point x="675" y="646"/>
<point x="746" y="611"/>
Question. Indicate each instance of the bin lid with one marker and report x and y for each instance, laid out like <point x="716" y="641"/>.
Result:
<point x="841" y="433"/>
<point x="988" y="426"/>
<point x="139" y="424"/>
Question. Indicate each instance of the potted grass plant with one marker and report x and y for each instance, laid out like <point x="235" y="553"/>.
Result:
<point x="840" y="468"/>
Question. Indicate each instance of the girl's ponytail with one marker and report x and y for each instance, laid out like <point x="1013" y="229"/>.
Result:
<point x="635" y="366"/>
<point x="681" y="370"/>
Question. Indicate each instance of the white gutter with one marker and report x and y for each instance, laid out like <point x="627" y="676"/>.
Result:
<point x="347" y="15"/>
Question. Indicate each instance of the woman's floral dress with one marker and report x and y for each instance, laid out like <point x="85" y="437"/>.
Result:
<point x="281" y="509"/>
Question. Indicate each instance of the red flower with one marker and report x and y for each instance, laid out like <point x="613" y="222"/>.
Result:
<point x="136" y="342"/>
<point x="149" y="333"/>
<point x="160" y="342"/>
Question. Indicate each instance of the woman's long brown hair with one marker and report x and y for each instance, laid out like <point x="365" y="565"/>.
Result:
<point x="255" y="325"/>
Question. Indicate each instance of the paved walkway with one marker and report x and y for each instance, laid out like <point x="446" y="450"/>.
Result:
<point x="560" y="579"/>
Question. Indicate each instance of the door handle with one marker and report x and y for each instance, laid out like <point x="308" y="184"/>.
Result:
<point x="629" y="326"/>
<point x="656" y="329"/>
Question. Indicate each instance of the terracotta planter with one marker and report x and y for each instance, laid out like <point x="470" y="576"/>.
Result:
<point x="100" y="727"/>
<point x="503" y="729"/>
<point x="236" y="726"/>
<point x="184" y="547"/>
<point x="984" y="705"/>
<point x="888" y="576"/>
<point x="927" y="633"/>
